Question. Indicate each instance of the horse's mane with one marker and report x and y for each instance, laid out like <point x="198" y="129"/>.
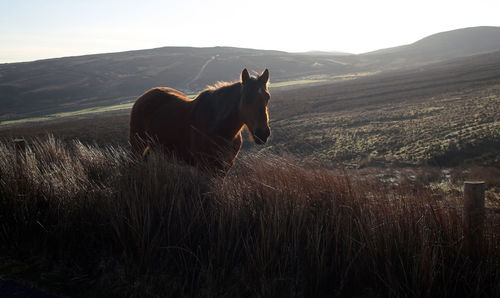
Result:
<point x="219" y="85"/>
<point x="218" y="102"/>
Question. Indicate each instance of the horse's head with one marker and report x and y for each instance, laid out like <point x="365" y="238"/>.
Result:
<point x="253" y="105"/>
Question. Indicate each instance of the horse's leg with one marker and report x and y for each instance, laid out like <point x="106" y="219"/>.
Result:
<point x="227" y="156"/>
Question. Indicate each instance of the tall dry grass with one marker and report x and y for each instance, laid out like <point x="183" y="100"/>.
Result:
<point x="93" y="221"/>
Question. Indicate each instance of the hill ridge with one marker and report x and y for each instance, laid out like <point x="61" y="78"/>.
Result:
<point x="486" y="37"/>
<point x="42" y="87"/>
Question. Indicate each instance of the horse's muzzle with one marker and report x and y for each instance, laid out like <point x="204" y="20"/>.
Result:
<point x="261" y="135"/>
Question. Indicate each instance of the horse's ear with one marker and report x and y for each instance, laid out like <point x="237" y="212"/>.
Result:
<point x="264" y="77"/>
<point x="245" y="76"/>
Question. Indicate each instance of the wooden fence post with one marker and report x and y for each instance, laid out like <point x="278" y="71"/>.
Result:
<point x="473" y="217"/>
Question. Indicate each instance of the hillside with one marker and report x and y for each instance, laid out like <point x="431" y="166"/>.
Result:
<point x="442" y="114"/>
<point x="48" y="86"/>
<point x="440" y="46"/>
<point x="73" y="83"/>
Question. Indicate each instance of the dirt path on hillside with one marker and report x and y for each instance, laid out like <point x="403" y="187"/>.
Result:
<point x="200" y="72"/>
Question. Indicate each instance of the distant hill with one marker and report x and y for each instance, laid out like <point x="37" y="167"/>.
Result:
<point x="43" y="87"/>
<point x="40" y="87"/>
<point x="442" y="46"/>
<point x="392" y="87"/>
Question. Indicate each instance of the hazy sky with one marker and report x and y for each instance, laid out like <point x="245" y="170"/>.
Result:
<point x="36" y="29"/>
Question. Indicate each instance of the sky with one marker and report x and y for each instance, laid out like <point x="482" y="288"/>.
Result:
<point x="39" y="29"/>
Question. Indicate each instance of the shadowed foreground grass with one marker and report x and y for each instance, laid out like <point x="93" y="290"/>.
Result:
<point x="89" y="221"/>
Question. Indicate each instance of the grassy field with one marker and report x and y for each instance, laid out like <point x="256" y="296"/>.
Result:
<point x="442" y="130"/>
<point x="88" y="221"/>
<point x="411" y="117"/>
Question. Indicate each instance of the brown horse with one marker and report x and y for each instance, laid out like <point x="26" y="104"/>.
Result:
<point x="206" y="131"/>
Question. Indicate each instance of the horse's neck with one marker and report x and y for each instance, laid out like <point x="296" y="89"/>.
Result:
<point x="230" y="127"/>
<point x="223" y="119"/>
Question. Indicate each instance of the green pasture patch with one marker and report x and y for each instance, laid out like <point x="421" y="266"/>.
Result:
<point x="320" y="79"/>
<point x="70" y="114"/>
<point x="296" y="82"/>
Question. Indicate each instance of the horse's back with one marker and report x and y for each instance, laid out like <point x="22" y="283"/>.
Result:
<point x="156" y="112"/>
<point x="157" y="97"/>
